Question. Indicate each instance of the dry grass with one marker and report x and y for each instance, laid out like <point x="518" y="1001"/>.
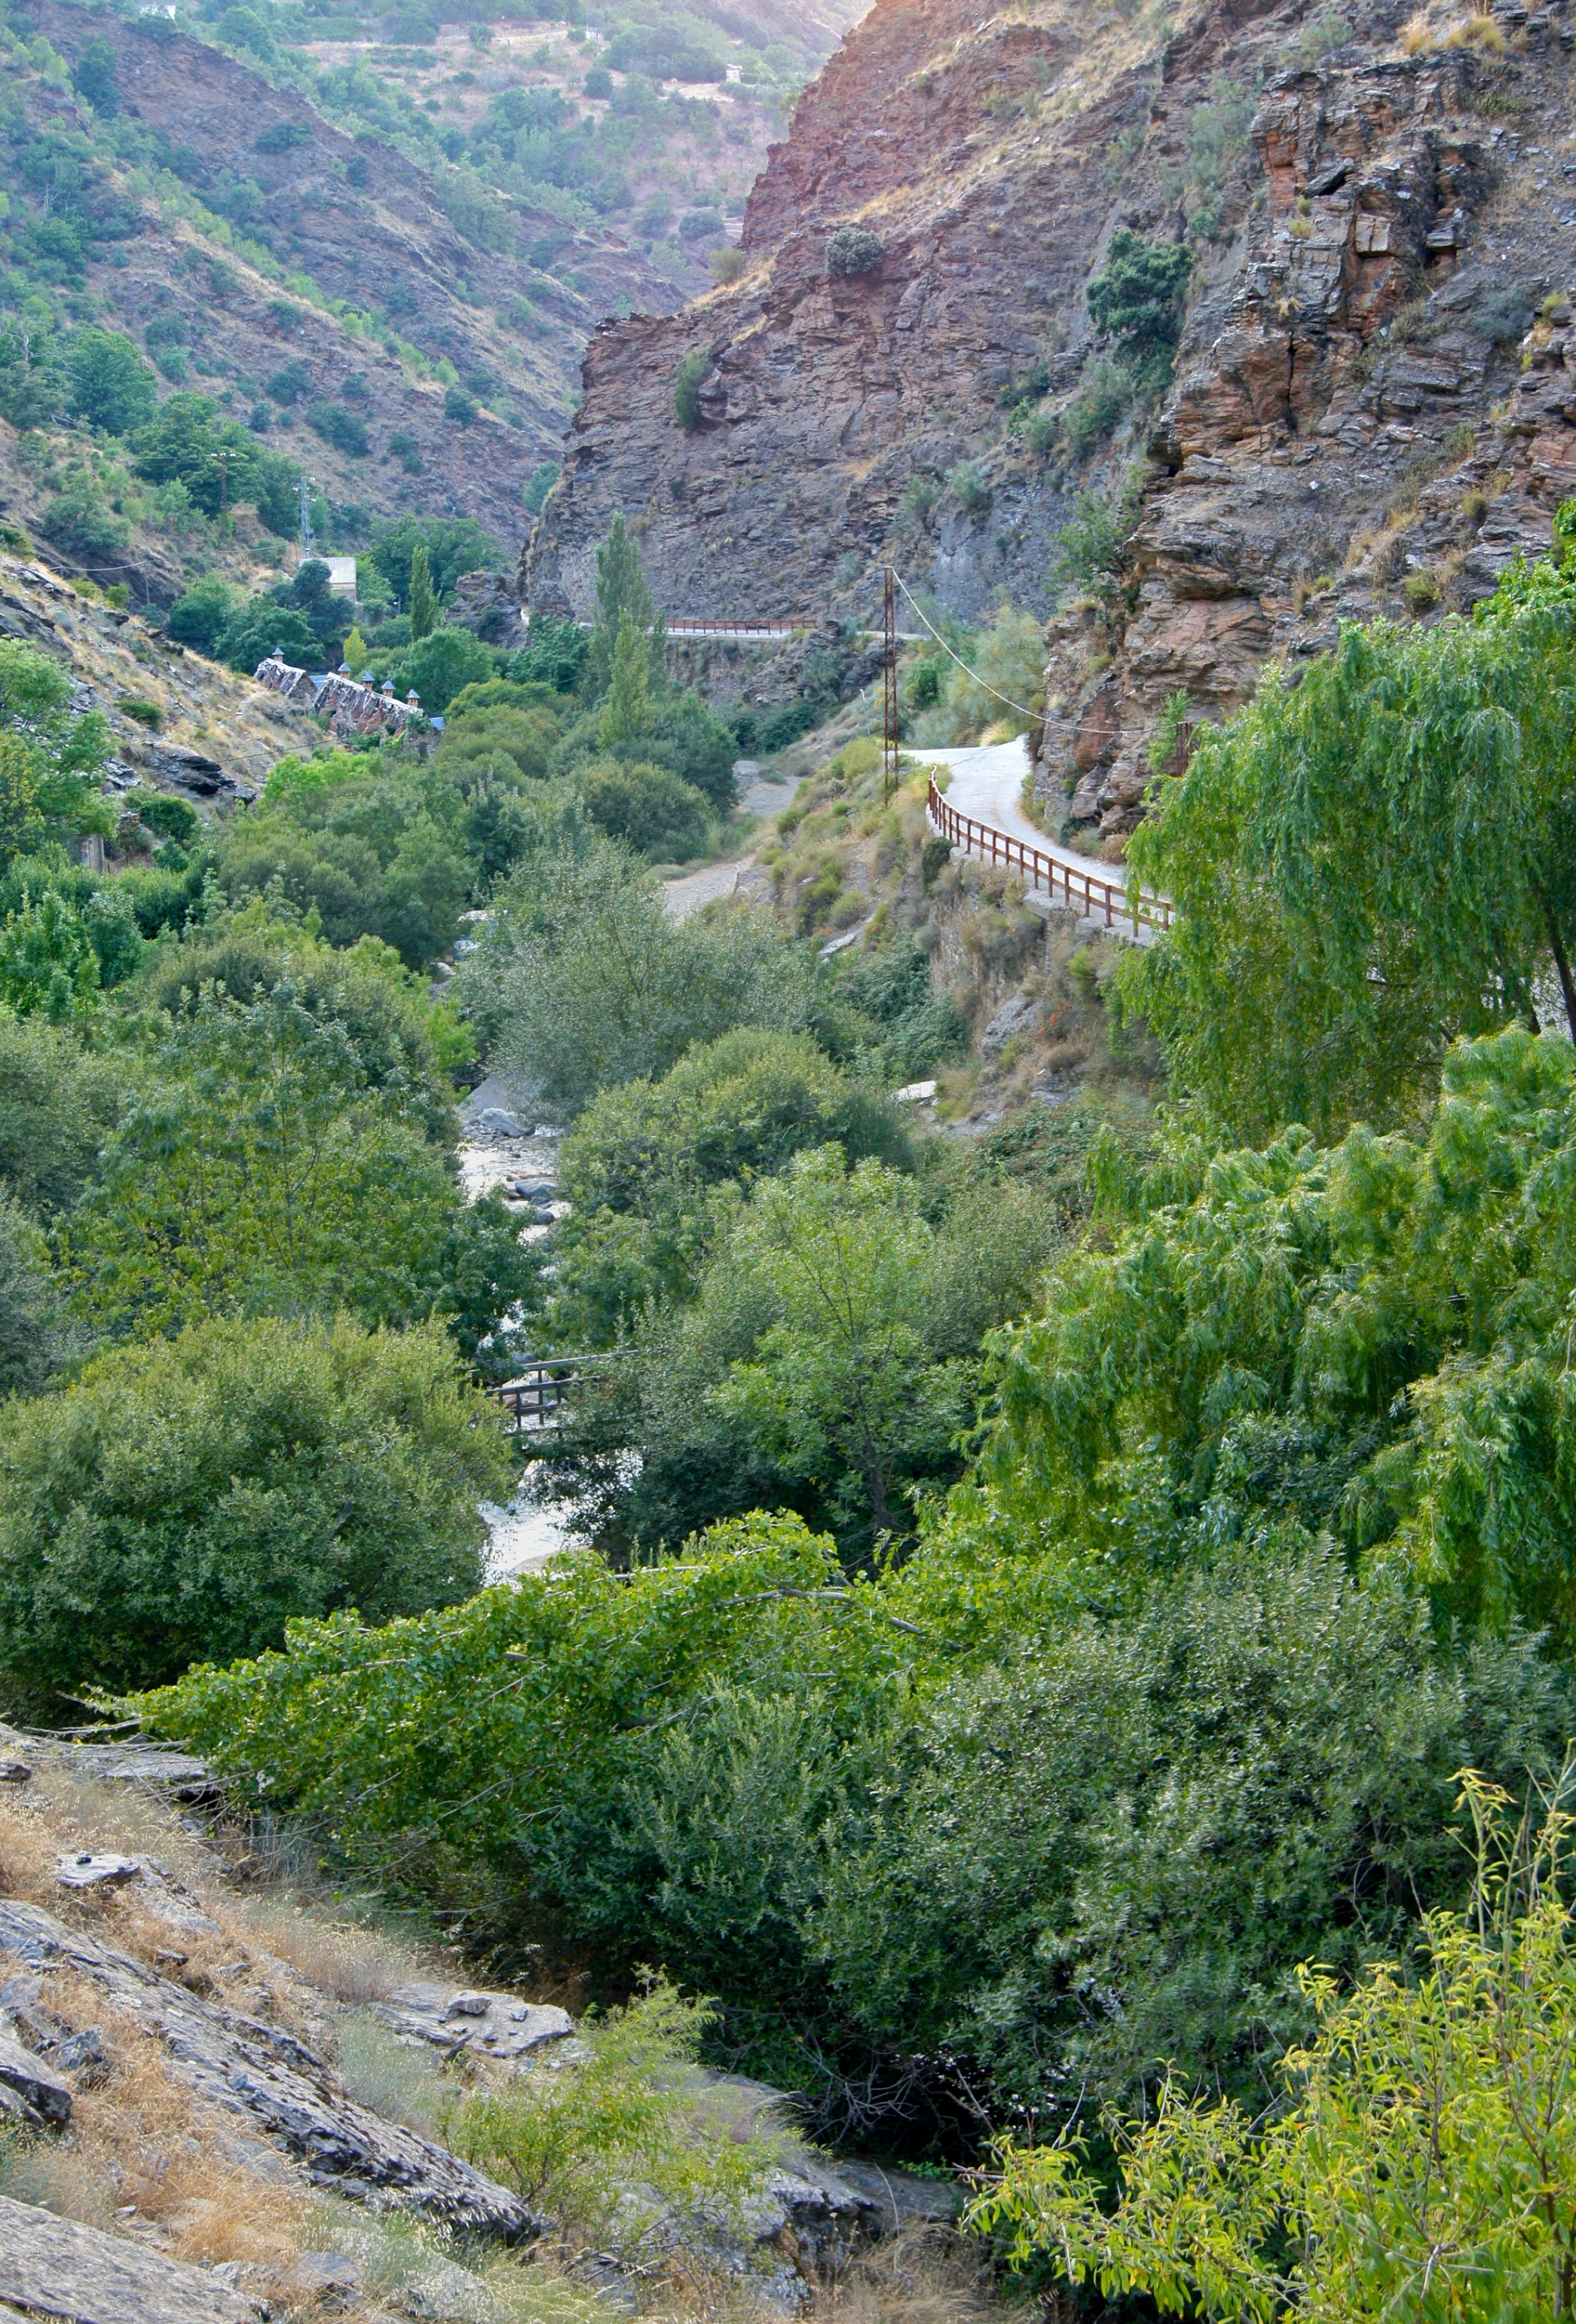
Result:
<point x="928" y="2275"/>
<point x="355" y="1965"/>
<point x="1478" y="32"/>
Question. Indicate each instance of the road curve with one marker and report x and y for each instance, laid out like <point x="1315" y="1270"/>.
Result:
<point x="986" y="783"/>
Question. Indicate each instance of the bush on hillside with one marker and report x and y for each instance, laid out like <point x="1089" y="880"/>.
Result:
<point x="112" y="387"/>
<point x="854" y="250"/>
<point x="183" y="1501"/>
<point x="647" y="807"/>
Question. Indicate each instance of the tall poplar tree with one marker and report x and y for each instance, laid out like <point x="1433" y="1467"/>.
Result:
<point x="620" y="588"/>
<point x="423" y="597"/>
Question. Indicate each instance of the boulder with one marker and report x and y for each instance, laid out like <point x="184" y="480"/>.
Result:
<point x="452" y="2018"/>
<point x="50" y="2266"/>
<point x="45" y="2097"/>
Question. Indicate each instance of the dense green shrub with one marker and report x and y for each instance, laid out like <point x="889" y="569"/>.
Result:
<point x="48" y="963"/>
<point x="58" y="1102"/>
<point x="827" y="1360"/>
<point x="201" y="614"/>
<point x="218" y="462"/>
<point x="854" y="250"/>
<point x="374" y="849"/>
<point x="686" y="385"/>
<point x="645" y="1160"/>
<point x="1105" y="390"/>
<point x="112" y="387"/>
<point x="1136" y="300"/>
<point x="439" y="667"/>
<point x="583" y="982"/>
<point x="649" y="807"/>
<point x="183" y="1501"/>
<point x="257" y="627"/>
<point x="82" y="521"/>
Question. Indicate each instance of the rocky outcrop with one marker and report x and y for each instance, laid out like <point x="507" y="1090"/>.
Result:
<point x="1350" y="434"/>
<point x="975" y="151"/>
<point x="50" y="2266"/>
<point x="286" y="2089"/>
<point x="1378" y="205"/>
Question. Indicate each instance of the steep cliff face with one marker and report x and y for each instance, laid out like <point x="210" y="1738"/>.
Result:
<point x="976" y="151"/>
<point x="1378" y="205"/>
<point x="1352" y="431"/>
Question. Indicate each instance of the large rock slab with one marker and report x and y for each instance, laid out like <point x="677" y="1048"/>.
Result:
<point x="40" y="2090"/>
<point x="50" y="2266"/>
<point x="238" y="2062"/>
<point x="455" y="2017"/>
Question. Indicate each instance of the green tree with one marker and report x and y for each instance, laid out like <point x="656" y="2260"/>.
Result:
<point x="261" y="1171"/>
<point x="30" y="1325"/>
<point x="255" y="627"/>
<point x="620" y="588"/>
<point x="21" y="827"/>
<point x="423" y="603"/>
<point x="1136" y="300"/>
<point x="92" y="76"/>
<point x="375" y="844"/>
<point x="645" y="1159"/>
<point x="647" y="807"/>
<point x="189" y="442"/>
<point x="840" y="1388"/>
<point x="1367" y="1339"/>
<point x="110" y="386"/>
<point x="59" y="1101"/>
<point x="201" y="614"/>
<point x="1368" y="864"/>
<point x="585" y="982"/>
<point x="626" y="709"/>
<point x="48" y="966"/>
<point x="182" y="1502"/>
<point x="1423" y="2160"/>
<point x="442" y="665"/>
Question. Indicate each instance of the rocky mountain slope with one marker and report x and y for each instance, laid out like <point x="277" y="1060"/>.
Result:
<point x="1378" y="205"/>
<point x="382" y="280"/>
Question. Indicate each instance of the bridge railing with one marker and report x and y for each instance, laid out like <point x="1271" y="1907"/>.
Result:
<point x="534" y="1400"/>
<point x="1097" y="896"/>
<point x="687" y="625"/>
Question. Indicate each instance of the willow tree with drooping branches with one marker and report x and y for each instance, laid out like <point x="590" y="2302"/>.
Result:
<point x="1370" y="862"/>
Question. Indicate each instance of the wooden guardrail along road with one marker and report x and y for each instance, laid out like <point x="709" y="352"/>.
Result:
<point x="1098" y="897"/>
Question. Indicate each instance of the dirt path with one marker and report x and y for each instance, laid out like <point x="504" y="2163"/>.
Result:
<point x="757" y="796"/>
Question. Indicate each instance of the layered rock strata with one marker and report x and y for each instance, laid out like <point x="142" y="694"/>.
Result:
<point x="1379" y="204"/>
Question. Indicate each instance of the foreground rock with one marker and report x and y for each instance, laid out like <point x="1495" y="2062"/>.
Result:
<point x="50" y="2266"/>
<point x="238" y="2062"/>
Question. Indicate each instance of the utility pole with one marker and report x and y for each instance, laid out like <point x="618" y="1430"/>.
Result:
<point x="308" y="536"/>
<point x="889" y="775"/>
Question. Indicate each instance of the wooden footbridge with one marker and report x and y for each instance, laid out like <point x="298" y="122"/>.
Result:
<point x="534" y="1402"/>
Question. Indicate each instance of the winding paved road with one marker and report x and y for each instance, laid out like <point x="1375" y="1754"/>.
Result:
<point x="986" y="783"/>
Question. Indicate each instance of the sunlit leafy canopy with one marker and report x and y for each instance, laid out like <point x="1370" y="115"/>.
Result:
<point x="1423" y="2164"/>
<point x="1368" y="862"/>
<point x="1371" y="1338"/>
<point x="185" y="1500"/>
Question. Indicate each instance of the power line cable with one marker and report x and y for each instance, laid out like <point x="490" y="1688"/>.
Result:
<point x="1036" y="717"/>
